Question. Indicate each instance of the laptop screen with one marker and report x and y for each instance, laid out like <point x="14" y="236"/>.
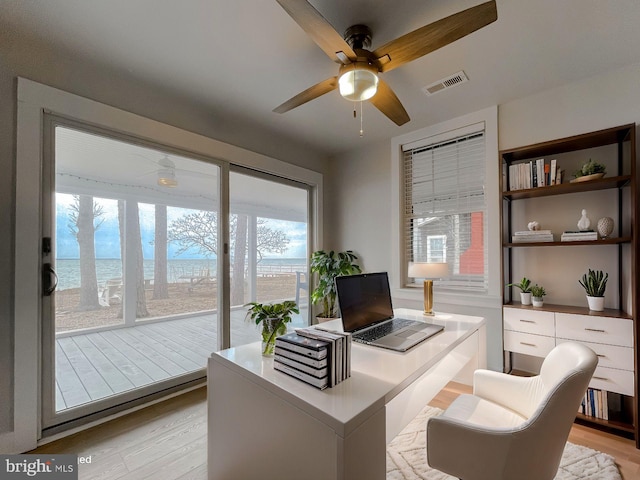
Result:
<point x="364" y="299"/>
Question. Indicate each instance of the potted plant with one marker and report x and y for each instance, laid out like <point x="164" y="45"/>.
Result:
<point x="594" y="283"/>
<point x="328" y="266"/>
<point x="591" y="168"/>
<point x="537" y="294"/>
<point x="525" y="290"/>
<point x="274" y="318"/>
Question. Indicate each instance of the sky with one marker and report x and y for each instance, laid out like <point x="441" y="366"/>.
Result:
<point x="107" y="237"/>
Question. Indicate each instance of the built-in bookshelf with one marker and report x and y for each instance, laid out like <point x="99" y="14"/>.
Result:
<point x="616" y="379"/>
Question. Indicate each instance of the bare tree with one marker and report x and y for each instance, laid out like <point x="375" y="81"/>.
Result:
<point x="133" y="255"/>
<point x="199" y="231"/>
<point x="160" y="285"/>
<point x="239" y="252"/>
<point x="82" y="224"/>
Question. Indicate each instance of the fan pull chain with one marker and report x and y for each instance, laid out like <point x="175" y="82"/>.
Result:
<point x="361" y="129"/>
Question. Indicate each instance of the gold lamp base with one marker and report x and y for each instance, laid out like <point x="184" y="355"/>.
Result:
<point x="428" y="298"/>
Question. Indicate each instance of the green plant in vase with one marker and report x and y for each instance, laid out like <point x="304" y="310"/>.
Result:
<point x="328" y="266"/>
<point x="525" y="290"/>
<point x="274" y="318"/>
<point x="537" y="294"/>
<point x="594" y="283"/>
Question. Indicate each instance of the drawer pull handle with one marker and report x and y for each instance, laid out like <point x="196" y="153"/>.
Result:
<point x="599" y="355"/>
<point x="527" y="321"/>
<point x="601" y="378"/>
<point x="595" y="330"/>
<point x="528" y="344"/>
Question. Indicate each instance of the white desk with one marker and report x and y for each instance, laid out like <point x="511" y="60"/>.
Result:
<point x="265" y="425"/>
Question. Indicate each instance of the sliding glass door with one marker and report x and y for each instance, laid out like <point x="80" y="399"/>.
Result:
<point x="269" y="247"/>
<point x="131" y="272"/>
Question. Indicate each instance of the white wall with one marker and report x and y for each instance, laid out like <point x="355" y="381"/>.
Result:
<point x="358" y="206"/>
<point x="359" y="178"/>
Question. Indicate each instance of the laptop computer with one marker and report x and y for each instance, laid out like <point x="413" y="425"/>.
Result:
<point x="367" y="313"/>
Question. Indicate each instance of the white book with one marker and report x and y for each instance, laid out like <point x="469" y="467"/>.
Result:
<point x="533" y="232"/>
<point x="553" y="171"/>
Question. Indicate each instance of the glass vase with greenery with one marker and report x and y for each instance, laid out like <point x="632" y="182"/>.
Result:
<point x="274" y="318"/>
<point x="328" y="266"/>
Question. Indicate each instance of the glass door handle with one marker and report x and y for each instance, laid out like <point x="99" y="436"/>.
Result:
<point x="49" y="279"/>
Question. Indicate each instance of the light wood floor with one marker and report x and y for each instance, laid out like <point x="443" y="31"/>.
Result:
<point x="168" y="441"/>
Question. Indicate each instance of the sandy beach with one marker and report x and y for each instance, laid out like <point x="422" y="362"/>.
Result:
<point x="181" y="300"/>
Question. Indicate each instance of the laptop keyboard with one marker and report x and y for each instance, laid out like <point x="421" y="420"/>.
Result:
<point x="382" y="330"/>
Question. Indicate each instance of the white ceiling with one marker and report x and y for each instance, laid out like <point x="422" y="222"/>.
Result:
<point x="248" y="56"/>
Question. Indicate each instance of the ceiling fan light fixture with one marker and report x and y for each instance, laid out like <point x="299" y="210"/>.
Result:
<point x="167" y="178"/>
<point x="358" y="82"/>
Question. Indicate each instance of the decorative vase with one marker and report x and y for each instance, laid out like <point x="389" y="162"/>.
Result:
<point x="596" y="303"/>
<point x="537" y="301"/>
<point x="605" y="227"/>
<point x="271" y="329"/>
<point x="525" y="298"/>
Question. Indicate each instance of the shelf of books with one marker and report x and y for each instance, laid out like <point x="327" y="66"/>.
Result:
<point x="608" y="409"/>
<point x="318" y="357"/>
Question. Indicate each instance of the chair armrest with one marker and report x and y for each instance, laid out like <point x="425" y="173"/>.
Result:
<point x="520" y="394"/>
<point x="465" y="450"/>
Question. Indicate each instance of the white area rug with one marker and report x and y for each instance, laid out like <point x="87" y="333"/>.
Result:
<point x="407" y="457"/>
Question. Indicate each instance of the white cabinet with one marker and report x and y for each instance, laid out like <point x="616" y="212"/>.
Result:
<point x="536" y="333"/>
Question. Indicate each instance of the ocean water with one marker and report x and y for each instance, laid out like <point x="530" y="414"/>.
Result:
<point x="68" y="270"/>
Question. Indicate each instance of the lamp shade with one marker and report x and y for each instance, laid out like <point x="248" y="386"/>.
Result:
<point x="358" y="82"/>
<point x="428" y="270"/>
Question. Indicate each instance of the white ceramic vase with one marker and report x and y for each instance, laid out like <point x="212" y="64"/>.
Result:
<point x="537" y="301"/>
<point x="596" y="303"/>
<point x="525" y="298"/>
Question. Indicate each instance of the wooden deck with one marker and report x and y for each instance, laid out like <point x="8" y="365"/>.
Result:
<point x="91" y="366"/>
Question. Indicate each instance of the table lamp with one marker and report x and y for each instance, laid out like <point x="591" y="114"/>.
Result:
<point x="428" y="271"/>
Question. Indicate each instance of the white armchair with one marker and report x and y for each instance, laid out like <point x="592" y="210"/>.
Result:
<point x="512" y="428"/>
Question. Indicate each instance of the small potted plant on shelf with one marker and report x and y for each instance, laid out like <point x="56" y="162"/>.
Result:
<point x="328" y="266"/>
<point x="525" y="290"/>
<point x="594" y="283"/>
<point x="537" y="294"/>
<point x="589" y="171"/>
<point x="274" y="318"/>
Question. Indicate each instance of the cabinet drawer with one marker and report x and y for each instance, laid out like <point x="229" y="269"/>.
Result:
<point x="610" y="356"/>
<point x="529" y="321"/>
<point x="585" y="328"/>
<point x="612" y="380"/>
<point x="529" y="344"/>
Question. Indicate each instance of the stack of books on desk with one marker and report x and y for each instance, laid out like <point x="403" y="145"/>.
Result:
<point x="532" y="236"/>
<point x="579" y="236"/>
<point x="317" y="357"/>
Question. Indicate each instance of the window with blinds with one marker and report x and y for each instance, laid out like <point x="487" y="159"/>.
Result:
<point x="445" y="209"/>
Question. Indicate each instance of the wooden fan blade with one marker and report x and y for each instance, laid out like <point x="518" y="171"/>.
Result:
<point x="435" y="35"/>
<point x="387" y="102"/>
<point x="320" y="31"/>
<point x="309" y="94"/>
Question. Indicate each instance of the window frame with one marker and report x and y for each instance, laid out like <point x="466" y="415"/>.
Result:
<point x="433" y="134"/>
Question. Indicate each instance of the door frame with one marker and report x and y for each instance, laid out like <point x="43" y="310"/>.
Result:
<point x="34" y="100"/>
<point x="53" y="421"/>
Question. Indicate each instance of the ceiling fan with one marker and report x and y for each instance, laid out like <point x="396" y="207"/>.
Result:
<point x="358" y="77"/>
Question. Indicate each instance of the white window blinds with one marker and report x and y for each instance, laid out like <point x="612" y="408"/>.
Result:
<point x="445" y="208"/>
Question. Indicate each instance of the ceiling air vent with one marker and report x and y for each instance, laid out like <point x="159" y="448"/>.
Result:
<point x="450" y="81"/>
